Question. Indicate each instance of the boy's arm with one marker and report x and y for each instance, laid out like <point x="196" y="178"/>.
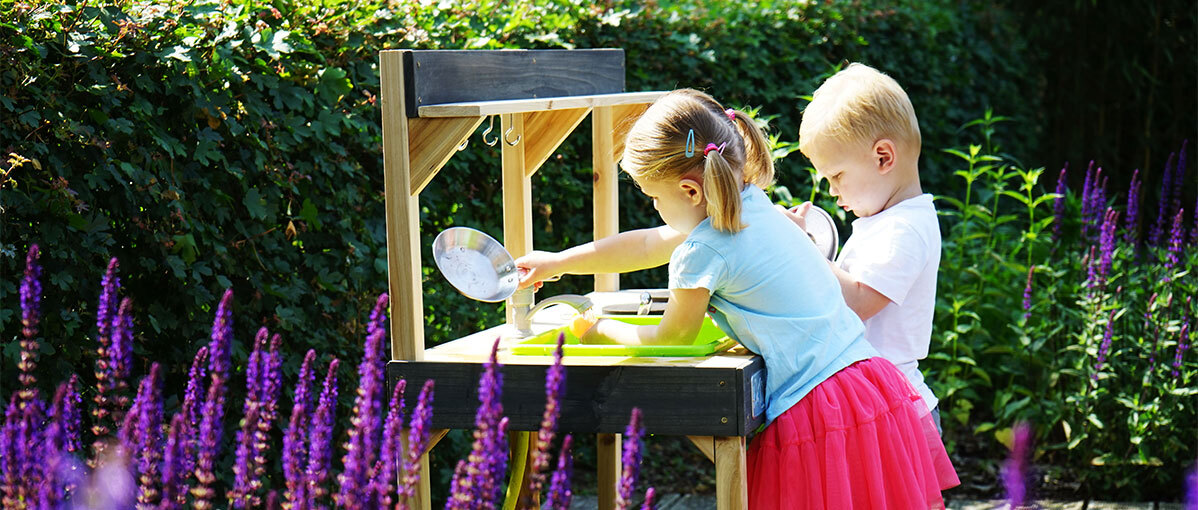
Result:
<point x="863" y="299"/>
<point x="624" y="252"/>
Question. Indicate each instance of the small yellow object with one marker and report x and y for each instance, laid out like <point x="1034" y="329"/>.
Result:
<point x="582" y="323"/>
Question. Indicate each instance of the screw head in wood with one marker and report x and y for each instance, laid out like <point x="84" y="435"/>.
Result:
<point x="723" y="419"/>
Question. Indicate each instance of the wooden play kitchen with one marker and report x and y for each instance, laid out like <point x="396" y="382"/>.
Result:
<point x="432" y="102"/>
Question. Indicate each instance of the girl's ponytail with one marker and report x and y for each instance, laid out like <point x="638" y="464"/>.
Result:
<point x="759" y="164"/>
<point x="721" y="190"/>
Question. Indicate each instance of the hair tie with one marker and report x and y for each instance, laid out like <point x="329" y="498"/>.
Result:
<point x="690" y="144"/>
<point x="731" y="114"/>
<point x="713" y="147"/>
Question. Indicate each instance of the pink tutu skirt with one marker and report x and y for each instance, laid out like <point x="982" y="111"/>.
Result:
<point x="861" y="439"/>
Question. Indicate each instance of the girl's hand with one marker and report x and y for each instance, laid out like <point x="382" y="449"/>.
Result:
<point x="797" y="214"/>
<point x="538" y="266"/>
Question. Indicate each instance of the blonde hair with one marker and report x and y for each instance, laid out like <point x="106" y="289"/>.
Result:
<point x="858" y="106"/>
<point x="657" y="148"/>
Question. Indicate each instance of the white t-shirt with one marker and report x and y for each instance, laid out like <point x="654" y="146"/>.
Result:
<point x="897" y="252"/>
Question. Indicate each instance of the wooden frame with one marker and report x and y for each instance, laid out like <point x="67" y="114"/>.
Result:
<point x="421" y="133"/>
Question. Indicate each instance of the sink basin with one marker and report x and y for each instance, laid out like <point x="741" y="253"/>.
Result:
<point x="709" y="341"/>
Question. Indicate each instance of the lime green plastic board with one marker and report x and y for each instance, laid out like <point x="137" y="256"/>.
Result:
<point x="709" y="341"/>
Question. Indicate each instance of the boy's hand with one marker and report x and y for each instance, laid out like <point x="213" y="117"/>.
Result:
<point x="797" y="214"/>
<point x="536" y="267"/>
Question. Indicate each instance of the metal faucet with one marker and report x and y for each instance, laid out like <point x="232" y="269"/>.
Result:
<point x="523" y="310"/>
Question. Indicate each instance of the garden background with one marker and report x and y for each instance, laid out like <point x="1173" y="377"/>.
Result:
<point x="236" y="144"/>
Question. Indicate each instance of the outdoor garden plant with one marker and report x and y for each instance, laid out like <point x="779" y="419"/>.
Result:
<point x="132" y="456"/>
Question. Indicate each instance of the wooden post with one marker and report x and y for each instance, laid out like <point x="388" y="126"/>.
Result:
<point x="731" y="470"/>
<point x="609" y="468"/>
<point x="517" y="190"/>
<point x="606" y="190"/>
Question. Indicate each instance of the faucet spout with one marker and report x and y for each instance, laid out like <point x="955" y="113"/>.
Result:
<point x="524" y="310"/>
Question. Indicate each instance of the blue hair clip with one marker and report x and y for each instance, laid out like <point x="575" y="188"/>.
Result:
<point x="690" y="144"/>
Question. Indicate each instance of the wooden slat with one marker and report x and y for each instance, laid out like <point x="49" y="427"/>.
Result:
<point x="454" y="76"/>
<point x="403" y="216"/>
<point x="706" y="444"/>
<point x="731" y="470"/>
<point x="675" y="400"/>
<point x="481" y="108"/>
<point x="432" y="142"/>
<point x="606" y="204"/>
<point x="609" y="467"/>
<point x="517" y="191"/>
<point x="545" y="131"/>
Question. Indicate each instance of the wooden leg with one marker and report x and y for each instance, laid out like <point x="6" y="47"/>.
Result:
<point x="731" y="470"/>
<point x="609" y="469"/>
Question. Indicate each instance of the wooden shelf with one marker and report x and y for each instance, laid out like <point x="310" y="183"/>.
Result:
<point x="483" y="108"/>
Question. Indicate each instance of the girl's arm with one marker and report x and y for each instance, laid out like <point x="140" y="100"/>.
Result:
<point x="679" y="326"/>
<point x="624" y="252"/>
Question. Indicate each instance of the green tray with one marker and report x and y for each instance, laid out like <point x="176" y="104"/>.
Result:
<point x="709" y="341"/>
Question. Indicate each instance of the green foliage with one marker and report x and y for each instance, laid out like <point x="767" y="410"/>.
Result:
<point x="1126" y="424"/>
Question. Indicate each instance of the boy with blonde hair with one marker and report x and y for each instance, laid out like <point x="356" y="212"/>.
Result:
<point x="861" y="134"/>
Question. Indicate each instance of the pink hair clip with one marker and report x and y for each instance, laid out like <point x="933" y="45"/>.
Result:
<point x="713" y="147"/>
<point x="731" y="114"/>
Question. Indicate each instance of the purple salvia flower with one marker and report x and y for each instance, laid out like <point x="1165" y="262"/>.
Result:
<point x="30" y="438"/>
<point x="208" y="443"/>
<point x="319" y="451"/>
<point x="1087" y="190"/>
<point x="222" y="337"/>
<point x="1183" y="345"/>
<point x="460" y="497"/>
<point x="554" y="386"/>
<point x="191" y="406"/>
<point x="120" y="358"/>
<point x="631" y="460"/>
<point x="242" y="495"/>
<point x="295" y="452"/>
<point x="1091" y="268"/>
<point x="1105" y="347"/>
<point x="1176" y="236"/>
<point x="102" y="410"/>
<point x="147" y="438"/>
<point x="110" y="287"/>
<point x="31" y="313"/>
<point x="60" y="473"/>
<point x="65" y="413"/>
<point x="386" y="469"/>
<point x="271" y="385"/>
<point x="361" y="447"/>
<point x="483" y="458"/>
<point x="1097" y="201"/>
<point x="174" y="469"/>
<point x="1131" y="234"/>
<point x="1106" y="242"/>
<point x="1058" y="203"/>
<point x="650" y="500"/>
<point x="559" y="484"/>
<point x="418" y="432"/>
<point x="1015" y="469"/>
<point x="1163" y="212"/>
<point x="12" y="452"/>
<point x="1191" y="501"/>
<point x="1027" y="294"/>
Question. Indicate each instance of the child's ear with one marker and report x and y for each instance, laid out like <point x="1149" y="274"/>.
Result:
<point x="692" y="189"/>
<point x="885" y="153"/>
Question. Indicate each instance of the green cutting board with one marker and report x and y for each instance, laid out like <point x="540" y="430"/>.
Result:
<point x="709" y="341"/>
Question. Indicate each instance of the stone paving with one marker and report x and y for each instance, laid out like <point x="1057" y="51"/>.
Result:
<point x="707" y="502"/>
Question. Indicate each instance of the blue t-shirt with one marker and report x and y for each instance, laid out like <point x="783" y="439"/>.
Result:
<point x="773" y="292"/>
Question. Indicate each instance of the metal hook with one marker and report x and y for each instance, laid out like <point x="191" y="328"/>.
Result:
<point x="490" y="126"/>
<point x="465" y="142"/>
<point x="511" y="126"/>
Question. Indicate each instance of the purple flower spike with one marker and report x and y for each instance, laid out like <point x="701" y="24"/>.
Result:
<point x="242" y="494"/>
<point x="110" y="286"/>
<point x="1105" y="347"/>
<point x="1058" y="203"/>
<point x="1176" y="236"/>
<point x="386" y="469"/>
<point x="31" y="298"/>
<point x="1131" y="234"/>
<point x="222" y="337"/>
<point x="650" y="500"/>
<point x="554" y="387"/>
<point x="418" y="432"/>
<point x="487" y="452"/>
<point x="120" y="357"/>
<point x="631" y="460"/>
<point x="271" y="385"/>
<point x="1106" y="242"/>
<point x="1087" y="190"/>
<point x="65" y="411"/>
<point x="320" y="452"/>
<point x="1015" y="469"/>
<point x="1183" y="345"/>
<point x="103" y="422"/>
<point x="295" y="451"/>
<point x="460" y="497"/>
<point x="361" y="447"/>
<point x="174" y="473"/>
<point x="209" y="437"/>
<point x="190" y="408"/>
<point x="12" y="453"/>
<point x="1027" y="293"/>
<point x="147" y="438"/>
<point x="559" y="484"/>
<point x="1163" y="213"/>
<point x="1191" y="500"/>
